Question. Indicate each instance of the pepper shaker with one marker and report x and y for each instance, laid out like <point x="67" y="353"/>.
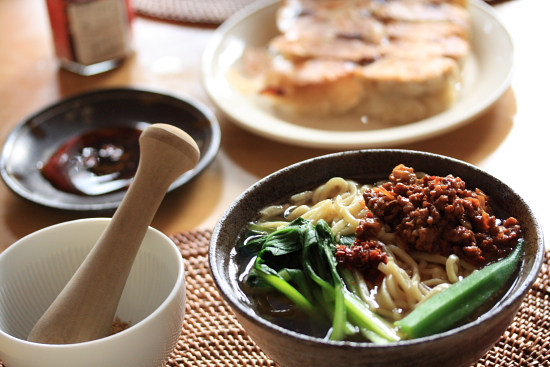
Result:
<point x="91" y="36"/>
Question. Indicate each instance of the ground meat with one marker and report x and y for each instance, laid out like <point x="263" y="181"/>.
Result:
<point x="364" y="256"/>
<point x="439" y="215"/>
<point x="368" y="228"/>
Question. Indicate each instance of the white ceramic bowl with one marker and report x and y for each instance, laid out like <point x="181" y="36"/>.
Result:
<point x="36" y="268"/>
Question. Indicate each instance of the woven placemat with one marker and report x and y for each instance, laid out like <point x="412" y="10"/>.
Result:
<point x="192" y="11"/>
<point x="199" y="11"/>
<point x="212" y="336"/>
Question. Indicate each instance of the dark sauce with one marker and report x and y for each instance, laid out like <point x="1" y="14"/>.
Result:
<point x="95" y="163"/>
<point x="279" y="310"/>
<point x="273" y="306"/>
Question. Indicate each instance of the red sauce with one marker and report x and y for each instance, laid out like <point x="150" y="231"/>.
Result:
<point x="95" y="163"/>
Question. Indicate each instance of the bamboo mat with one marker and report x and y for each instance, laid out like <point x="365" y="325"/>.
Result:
<point x="212" y="336"/>
<point x="190" y="11"/>
<point x="200" y="11"/>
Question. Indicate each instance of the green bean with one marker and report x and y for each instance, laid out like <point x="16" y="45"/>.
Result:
<point x="452" y="306"/>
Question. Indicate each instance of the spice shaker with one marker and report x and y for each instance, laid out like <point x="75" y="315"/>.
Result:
<point x="91" y="36"/>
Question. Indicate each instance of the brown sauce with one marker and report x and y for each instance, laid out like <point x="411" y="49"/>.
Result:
<point x="95" y="163"/>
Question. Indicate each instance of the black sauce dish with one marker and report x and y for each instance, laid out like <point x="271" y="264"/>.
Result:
<point x="459" y="347"/>
<point x="33" y="142"/>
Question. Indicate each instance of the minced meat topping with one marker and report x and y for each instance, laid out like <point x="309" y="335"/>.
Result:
<point x="364" y="256"/>
<point x="438" y="215"/>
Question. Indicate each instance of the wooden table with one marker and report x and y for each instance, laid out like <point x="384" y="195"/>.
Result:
<point x="510" y="141"/>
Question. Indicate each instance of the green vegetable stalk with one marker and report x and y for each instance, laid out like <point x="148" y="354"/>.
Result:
<point x="320" y="238"/>
<point x="276" y="254"/>
<point x="450" y="307"/>
<point x="302" y="250"/>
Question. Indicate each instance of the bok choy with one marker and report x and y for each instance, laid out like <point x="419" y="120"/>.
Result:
<point x="299" y="262"/>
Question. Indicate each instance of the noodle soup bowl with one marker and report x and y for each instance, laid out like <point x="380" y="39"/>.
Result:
<point x="461" y="346"/>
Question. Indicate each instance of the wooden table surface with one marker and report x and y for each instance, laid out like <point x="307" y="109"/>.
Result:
<point x="510" y="141"/>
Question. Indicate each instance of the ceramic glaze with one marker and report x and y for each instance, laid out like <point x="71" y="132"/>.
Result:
<point x="469" y="342"/>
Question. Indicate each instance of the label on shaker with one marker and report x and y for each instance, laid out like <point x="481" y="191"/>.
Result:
<point x="99" y="30"/>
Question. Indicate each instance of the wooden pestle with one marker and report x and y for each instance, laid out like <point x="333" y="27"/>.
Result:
<point x="86" y="307"/>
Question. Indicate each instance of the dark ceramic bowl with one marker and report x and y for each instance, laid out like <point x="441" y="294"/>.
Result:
<point x="39" y="136"/>
<point x="461" y="346"/>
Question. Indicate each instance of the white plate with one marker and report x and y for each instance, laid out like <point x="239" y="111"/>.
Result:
<point x="487" y="75"/>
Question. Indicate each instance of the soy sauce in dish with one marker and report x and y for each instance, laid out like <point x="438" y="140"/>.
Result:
<point x="95" y="163"/>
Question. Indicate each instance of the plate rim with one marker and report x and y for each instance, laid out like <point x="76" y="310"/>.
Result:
<point x="205" y="160"/>
<point x="332" y="139"/>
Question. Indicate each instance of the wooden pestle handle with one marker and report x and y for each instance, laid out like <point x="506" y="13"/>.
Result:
<point x="86" y="307"/>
